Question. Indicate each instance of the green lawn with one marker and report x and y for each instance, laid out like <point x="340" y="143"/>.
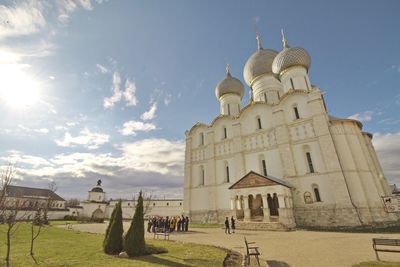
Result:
<point x="60" y="247"/>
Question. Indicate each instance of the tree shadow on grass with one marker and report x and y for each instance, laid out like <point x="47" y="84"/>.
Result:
<point x="273" y="263"/>
<point x="160" y="261"/>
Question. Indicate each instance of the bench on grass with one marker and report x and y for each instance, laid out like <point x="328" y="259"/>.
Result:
<point x="161" y="232"/>
<point x="251" y="250"/>
<point x="382" y="244"/>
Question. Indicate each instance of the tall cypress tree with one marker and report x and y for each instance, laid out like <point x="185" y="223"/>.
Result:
<point x="109" y="224"/>
<point x="113" y="243"/>
<point x="134" y="238"/>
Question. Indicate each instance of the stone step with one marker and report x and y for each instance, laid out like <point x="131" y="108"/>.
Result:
<point x="262" y="226"/>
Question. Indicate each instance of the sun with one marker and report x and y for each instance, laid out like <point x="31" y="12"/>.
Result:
<point x="18" y="88"/>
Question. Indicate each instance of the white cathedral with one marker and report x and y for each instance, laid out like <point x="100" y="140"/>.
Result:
<point x="282" y="159"/>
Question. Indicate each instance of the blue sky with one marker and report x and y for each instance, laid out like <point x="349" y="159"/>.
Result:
<point x="106" y="89"/>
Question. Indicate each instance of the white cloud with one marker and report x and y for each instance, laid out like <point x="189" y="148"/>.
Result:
<point x="156" y="155"/>
<point x="151" y="113"/>
<point x="28" y="130"/>
<point x="117" y="94"/>
<point x="167" y="99"/>
<point x="23" y="18"/>
<point x="363" y="116"/>
<point x="102" y="68"/>
<point x="16" y="157"/>
<point x="131" y="127"/>
<point x="129" y="93"/>
<point x="86" y="4"/>
<point x="387" y="147"/>
<point x="86" y="139"/>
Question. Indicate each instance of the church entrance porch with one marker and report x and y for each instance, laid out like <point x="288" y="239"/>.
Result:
<point x="266" y="199"/>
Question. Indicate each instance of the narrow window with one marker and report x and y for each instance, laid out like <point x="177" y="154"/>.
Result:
<point x="180" y="203"/>
<point x="259" y="123"/>
<point x="167" y="204"/>
<point x="227" y="173"/>
<point x="264" y="166"/>
<point x="265" y="97"/>
<point x="309" y="161"/>
<point x="279" y="95"/>
<point x="316" y="193"/>
<point x="225" y="133"/>
<point x="202" y="138"/>
<point x="305" y="79"/>
<point x="238" y="108"/>
<point x="154" y="204"/>
<point x="296" y="113"/>
<point x="229" y="110"/>
<point x="202" y="175"/>
<point x="291" y="81"/>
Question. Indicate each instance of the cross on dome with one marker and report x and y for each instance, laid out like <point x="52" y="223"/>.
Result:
<point x="258" y="41"/>
<point x="284" y="41"/>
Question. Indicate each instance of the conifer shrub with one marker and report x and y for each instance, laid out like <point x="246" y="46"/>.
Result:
<point x="134" y="239"/>
<point x="113" y="242"/>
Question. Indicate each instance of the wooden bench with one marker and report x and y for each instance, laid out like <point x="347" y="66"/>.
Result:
<point x="161" y="232"/>
<point x="251" y="251"/>
<point x="385" y="243"/>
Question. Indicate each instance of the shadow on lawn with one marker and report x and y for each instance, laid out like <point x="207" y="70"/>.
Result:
<point x="163" y="262"/>
<point x="277" y="264"/>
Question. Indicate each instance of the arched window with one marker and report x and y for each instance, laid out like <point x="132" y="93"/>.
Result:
<point x="316" y="193"/>
<point x="259" y="125"/>
<point x="226" y="172"/>
<point x="264" y="166"/>
<point x="296" y="112"/>
<point x="305" y="79"/>
<point x="291" y="82"/>
<point x="225" y="133"/>
<point x="201" y="175"/>
<point x="201" y="138"/>
<point x="309" y="162"/>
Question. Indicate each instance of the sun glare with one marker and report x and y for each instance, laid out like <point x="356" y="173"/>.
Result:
<point x="18" y="88"/>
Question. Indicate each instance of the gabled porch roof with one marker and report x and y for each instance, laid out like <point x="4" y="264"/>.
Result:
<point x="253" y="179"/>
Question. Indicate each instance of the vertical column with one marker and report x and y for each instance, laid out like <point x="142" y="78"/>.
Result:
<point x="265" y="208"/>
<point x="233" y="203"/>
<point x="247" y="214"/>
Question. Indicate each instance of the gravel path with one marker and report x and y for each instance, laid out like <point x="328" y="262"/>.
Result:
<point x="297" y="248"/>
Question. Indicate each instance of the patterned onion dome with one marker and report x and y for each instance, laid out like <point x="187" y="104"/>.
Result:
<point x="229" y="85"/>
<point x="260" y="62"/>
<point x="289" y="57"/>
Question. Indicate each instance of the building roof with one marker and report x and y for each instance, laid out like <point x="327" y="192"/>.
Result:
<point x="22" y="191"/>
<point x="253" y="179"/>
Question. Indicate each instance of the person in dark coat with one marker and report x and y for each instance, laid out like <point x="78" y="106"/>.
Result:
<point x="186" y="224"/>
<point x="149" y="224"/>
<point x="227" y="230"/>
<point x="183" y="224"/>
<point x="233" y="224"/>
<point x="178" y="225"/>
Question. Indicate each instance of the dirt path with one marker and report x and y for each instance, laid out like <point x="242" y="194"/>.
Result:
<point x="297" y="248"/>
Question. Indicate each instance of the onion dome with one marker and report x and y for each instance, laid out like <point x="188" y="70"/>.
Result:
<point x="229" y="85"/>
<point x="289" y="57"/>
<point x="260" y="62"/>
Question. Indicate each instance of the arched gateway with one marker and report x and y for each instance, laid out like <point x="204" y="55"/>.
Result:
<point x="256" y="198"/>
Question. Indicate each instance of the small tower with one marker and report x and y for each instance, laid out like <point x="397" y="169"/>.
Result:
<point x="97" y="194"/>
<point x="291" y="66"/>
<point x="229" y="93"/>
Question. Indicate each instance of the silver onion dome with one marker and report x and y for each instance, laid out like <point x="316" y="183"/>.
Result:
<point x="289" y="57"/>
<point x="260" y="62"/>
<point x="229" y="85"/>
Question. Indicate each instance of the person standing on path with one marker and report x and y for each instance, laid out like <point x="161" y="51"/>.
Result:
<point x="233" y="224"/>
<point x="227" y="230"/>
